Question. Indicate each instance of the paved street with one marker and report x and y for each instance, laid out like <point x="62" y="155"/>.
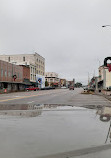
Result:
<point x="59" y="96"/>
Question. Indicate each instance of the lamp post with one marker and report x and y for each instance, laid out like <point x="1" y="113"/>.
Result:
<point x="106" y="25"/>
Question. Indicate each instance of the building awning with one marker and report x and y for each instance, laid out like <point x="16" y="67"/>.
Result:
<point x="27" y="82"/>
<point x="11" y="82"/>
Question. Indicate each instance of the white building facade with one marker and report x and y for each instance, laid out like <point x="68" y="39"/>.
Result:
<point x="104" y="77"/>
<point x="52" y="78"/>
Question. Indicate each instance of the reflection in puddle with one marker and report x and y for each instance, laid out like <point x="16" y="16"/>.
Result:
<point x="105" y="116"/>
<point x="58" y="130"/>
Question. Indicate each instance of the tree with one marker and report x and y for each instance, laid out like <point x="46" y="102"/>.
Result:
<point x="46" y="83"/>
<point x="52" y="84"/>
<point x="78" y="84"/>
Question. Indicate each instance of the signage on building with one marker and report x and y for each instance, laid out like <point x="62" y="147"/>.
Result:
<point x="40" y="80"/>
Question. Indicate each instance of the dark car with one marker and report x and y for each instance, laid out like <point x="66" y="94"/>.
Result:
<point x="71" y="88"/>
<point x="47" y="88"/>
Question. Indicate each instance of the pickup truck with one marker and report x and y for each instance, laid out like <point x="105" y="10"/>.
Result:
<point x="32" y="89"/>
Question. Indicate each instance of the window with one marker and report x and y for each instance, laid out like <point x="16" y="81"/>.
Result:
<point x="31" y="76"/>
<point x="9" y="74"/>
<point x="37" y="71"/>
<point x="51" y="80"/>
<point x="23" y="58"/>
<point x="5" y="73"/>
<point x="31" y="69"/>
<point x="1" y="72"/>
<point x="37" y="59"/>
<point x="8" y="59"/>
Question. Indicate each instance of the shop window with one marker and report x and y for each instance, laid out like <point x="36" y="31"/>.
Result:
<point x="8" y="59"/>
<point x="23" y="58"/>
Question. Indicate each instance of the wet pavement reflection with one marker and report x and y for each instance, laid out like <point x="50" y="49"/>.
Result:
<point x="58" y="129"/>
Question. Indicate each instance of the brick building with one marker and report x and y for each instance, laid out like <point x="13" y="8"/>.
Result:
<point x="26" y="75"/>
<point x="35" y="61"/>
<point x="11" y="77"/>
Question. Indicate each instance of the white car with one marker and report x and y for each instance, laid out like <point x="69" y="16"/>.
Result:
<point x="63" y="87"/>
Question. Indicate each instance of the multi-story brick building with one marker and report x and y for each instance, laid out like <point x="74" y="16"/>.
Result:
<point x="35" y="61"/>
<point x="11" y="76"/>
<point x="52" y="78"/>
<point x="26" y="75"/>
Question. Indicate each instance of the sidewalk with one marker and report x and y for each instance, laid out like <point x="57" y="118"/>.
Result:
<point x="104" y="95"/>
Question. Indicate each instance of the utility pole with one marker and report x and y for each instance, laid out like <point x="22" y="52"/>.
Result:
<point x="88" y="80"/>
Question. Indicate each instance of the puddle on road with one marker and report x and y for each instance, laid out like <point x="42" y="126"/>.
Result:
<point x="60" y="130"/>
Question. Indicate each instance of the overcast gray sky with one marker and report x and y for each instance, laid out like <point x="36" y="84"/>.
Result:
<point x="67" y="33"/>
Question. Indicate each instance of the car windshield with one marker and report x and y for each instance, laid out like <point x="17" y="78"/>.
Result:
<point x="55" y="79"/>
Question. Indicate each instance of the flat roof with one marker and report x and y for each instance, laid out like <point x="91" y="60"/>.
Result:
<point x="21" y="54"/>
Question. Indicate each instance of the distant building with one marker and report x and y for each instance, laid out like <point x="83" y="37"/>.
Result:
<point x="63" y="82"/>
<point x="104" y="80"/>
<point x="35" y="62"/>
<point x="71" y="83"/>
<point x="52" y="78"/>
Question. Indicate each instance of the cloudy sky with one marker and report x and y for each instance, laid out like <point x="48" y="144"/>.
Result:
<point x="67" y="33"/>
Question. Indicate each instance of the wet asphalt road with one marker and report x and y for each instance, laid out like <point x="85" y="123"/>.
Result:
<point x="59" y="96"/>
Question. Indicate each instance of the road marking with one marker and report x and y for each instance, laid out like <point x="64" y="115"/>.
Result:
<point x="30" y="102"/>
<point x="17" y="98"/>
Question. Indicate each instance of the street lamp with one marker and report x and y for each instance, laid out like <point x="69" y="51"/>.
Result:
<point x="106" y="25"/>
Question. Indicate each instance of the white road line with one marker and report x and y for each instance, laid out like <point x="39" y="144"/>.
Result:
<point x="30" y="102"/>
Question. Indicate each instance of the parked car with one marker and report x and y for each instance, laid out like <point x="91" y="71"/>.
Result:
<point x="47" y="88"/>
<point x="71" y="88"/>
<point x="31" y="88"/>
<point x="63" y="87"/>
<point x="85" y="88"/>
